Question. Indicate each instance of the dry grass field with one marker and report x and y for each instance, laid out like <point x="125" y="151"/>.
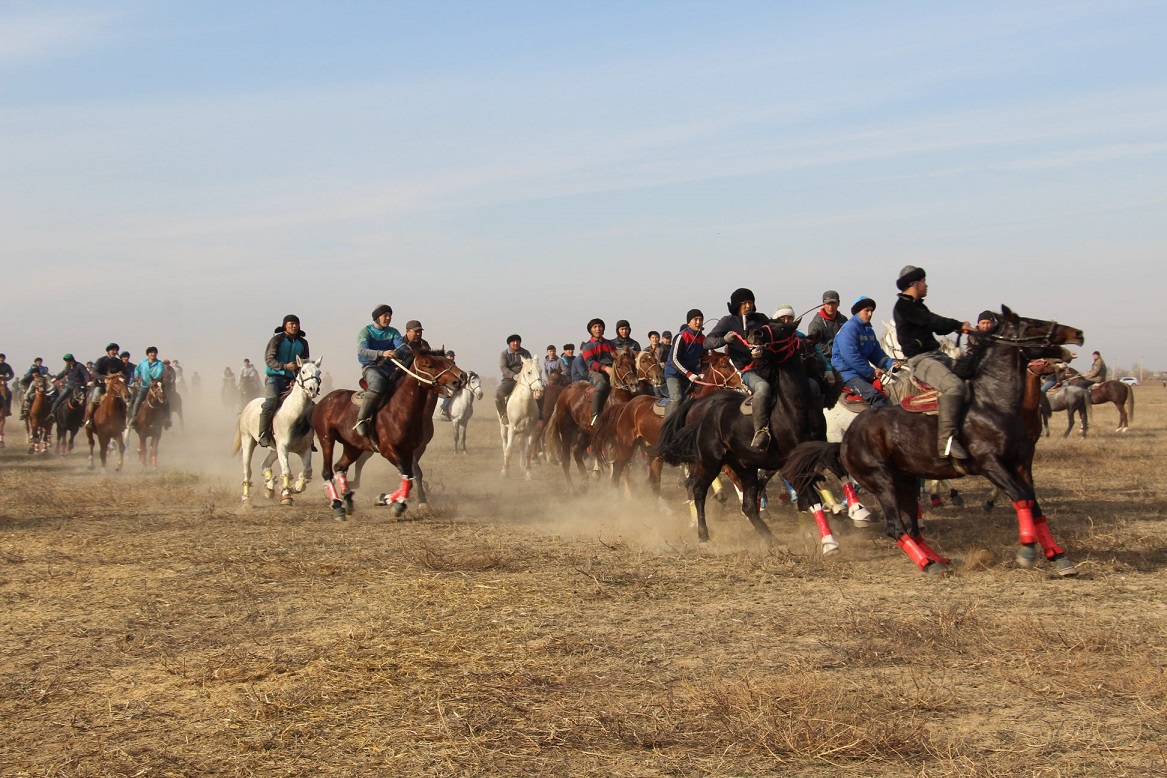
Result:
<point x="150" y="625"/>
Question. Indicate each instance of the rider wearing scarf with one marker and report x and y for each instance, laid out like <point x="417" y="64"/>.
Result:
<point x="685" y="359"/>
<point x="826" y="324"/>
<point x="279" y="358"/>
<point x="732" y="332"/>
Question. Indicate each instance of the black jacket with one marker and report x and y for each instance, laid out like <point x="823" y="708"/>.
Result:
<point x="916" y="326"/>
<point x="739" y="352"/>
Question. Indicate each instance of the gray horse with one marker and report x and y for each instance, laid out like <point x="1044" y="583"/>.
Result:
<point x="1073" y="400"/>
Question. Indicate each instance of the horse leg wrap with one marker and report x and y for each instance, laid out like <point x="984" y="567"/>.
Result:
<point x="820" y="518"/>
<point x="1041" y="529"/>
<point x="1025" y="525"/>
<point x="913" y="550"/>
<point x="717" y="485"/>
<point x="246" y="489"/>
<point x="850" y="493"/>
<point x="287" y="483"/>
<point x="341" y="480"/>
<point x="402" y="493"/>
<point x="330" y="490"/>
<point x="929" y="552"/>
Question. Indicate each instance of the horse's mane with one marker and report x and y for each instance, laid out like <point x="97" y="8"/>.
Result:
<point x="966" y="364"/>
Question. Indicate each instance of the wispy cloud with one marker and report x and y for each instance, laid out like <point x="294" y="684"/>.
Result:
<point x="33" y="33"/>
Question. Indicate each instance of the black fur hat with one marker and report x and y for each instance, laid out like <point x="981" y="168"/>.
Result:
<point x="738" y="297"/>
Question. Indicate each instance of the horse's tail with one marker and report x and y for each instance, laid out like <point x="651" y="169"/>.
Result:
<point x="1130" y="403"/>
<point x="551" y="431"/>
<point x="806" y="460"/>
<point x="237" y="446"/>
<point x="677" y="443"/>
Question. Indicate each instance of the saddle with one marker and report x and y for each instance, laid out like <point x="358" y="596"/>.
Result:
<point x="925" y="402"/>
<point x="852" y="401"/>
<point x="359" y="396"/>
<point x="747" y="406"/>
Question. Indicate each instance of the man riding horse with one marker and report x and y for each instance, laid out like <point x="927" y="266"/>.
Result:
<point x="858" y="356"/>
<point x="376" y="344"/>
<point x="6" y="375"/>
<point x="598" y="354"/>
<point x="916" y="327"/>
<point x="510" y="365"/>
<point x="624" y="337"/>
<point x="685" y="359"/>
<point x="148" y="370"/>
<point x="73" y="377"/>
<point x="106" y="366"/>
<point x="731" y="331"/>
<point x="37" y="368"/>
<point x="279" y="359"/>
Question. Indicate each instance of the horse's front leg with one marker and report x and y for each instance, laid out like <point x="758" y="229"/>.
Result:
<point x="396" y="500"/>
<point x="419" y="483"/>
<point x="306" y="469"/>
<point x="700" y="479"/>
<point x="1032" y="527"/>
<point x="285" y="472"/>
<point x="748" y="476"/>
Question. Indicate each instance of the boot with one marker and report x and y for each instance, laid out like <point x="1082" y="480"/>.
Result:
<point x="365" y="426"/>
<point x="500" y="405"/>
<point x="89" y="416"/>
<point x="950" y="407"/>
<point x="597" y="406"/>
<point x="761" y="416"/>
<point x="265" y="418"/>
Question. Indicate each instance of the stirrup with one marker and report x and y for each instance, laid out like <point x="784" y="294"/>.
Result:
<point x="954" y="450"/>
<point x="761" y="439"/>
<point x="595" y="419"/>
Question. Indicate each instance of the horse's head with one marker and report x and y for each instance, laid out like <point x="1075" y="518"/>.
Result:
<point x="438" y="370"/>
<point x="624" y="370"/>
<point x="156" y="394"/>
<point x="1036" y="338"/>
<point x="720" y="371"/>
<point x="474" y="385"/>
<point x="775" y="342"/>
<point x="308" y="376"/>
<point x="648" y="369"/>
<point x="115" y="386"/>
<point x="531" y="376"/>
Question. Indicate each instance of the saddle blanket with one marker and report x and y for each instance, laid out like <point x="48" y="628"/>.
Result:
<point x="921" y="403"/>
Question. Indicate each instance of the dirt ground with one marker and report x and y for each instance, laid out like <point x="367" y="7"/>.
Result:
<point x="152" y="625"/>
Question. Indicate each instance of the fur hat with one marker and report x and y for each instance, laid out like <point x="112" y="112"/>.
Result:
<point x="151" y="349"/>
<point x="380" y="309"/>
<point x="596" y="321"/>
<point x="861" y="302"/>
<point x="738" y="297"/>
<point x="666" y="335"/>
<point x="291" y="317"/>
<point x="113" y="347"/>
<point x="987" y="316"/>
<point x="909" y="275"/>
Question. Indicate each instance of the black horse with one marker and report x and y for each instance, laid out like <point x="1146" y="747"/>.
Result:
<point x="68" y="415"/>
<point x="888" y="449"/>
<point x="712" y="432"/>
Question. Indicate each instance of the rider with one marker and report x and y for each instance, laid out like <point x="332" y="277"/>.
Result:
<point x="986" y="320"/>
<point x="37" y="368"/>
<point x="915" y="328"/>
<point x="550" y="363"/>
<point x="377" y="343"/>
<point x="6" y="374"/>
<point x="1097" y="372"/>
<point x="857" y="349"/>
<point x="510" y="364"/>
<point x="685" y="359"/>
<point x="248" y="375"/>
<point x="129" y="368"/>
<point x="444" y="404"/>
<point x="565" y="361"/>
<point x="825" y="325"/>
<point x="105" y="367"/>
<point x="279" y="357"/>
<point x="731" y="331"/>
<point x="146" y="372"/>
<point x="598" y="355"/>
<point x="73" y="376"/>
<point x="623" y="337"/>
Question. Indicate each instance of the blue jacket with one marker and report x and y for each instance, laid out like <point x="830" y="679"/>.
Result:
<point x="685" y="355"/>
<point x="147" y="372"/>
<point x="372" y="341"/>
<point x="856" y="349"/>
<point x="281" y="350"/>
<point x="579" y="369"/>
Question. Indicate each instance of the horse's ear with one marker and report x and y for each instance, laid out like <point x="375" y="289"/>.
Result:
<point x="798" y="322"/>
<point x="299" y="362"/>
<point x="442" y="349"/>
<point x="1007" y="312"/>
<point x="319" y="360"/>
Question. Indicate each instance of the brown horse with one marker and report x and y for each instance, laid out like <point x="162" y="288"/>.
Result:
<point x="569" y="432"/>
<point x="888" y="449"/>
<point x="40" y="421"/>
<point x="649" y="373"/>
<point x="622" y="428"/>
<point x="148" y="422"/>
<point x="403" y="426"/>
<point x="1115" y="392"/>
<point x="109" y="420"/>
<point x="552" y="388"/>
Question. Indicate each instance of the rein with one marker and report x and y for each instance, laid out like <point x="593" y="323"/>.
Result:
<point x="1043" y="341"/>
<point x="624" y="383"/>
<point x="724" y="378"/>
<point x="303" y="383"/>
<point x="782" y="349"/>
<point x="422" y="379"/>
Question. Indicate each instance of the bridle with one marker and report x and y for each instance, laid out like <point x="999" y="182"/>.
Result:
<point x="624" y="382"/>
<point x="302" y="382"/>
<point x="782" y="349"/>
<point x="720" y="379"/>
<point x="531" y="380"/>
<point x="643" y="374"/>
<point x="1045" y="340"/>
<point x="431" y="379"/>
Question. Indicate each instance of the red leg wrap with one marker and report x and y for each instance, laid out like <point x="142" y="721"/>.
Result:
<point x="1046" y="539"/>
<point x="330" y="490"/>
<point x="850" y="493"/>
<point x="1025" y="521"/>
<point x="342" y="484"/>
<point x="913" y="550"/>
<point x="929" y="552"/>
<point x="820" y="517"/>
<point x="402" y="493"/>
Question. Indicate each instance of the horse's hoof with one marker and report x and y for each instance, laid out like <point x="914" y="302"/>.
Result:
<point x="286" y="499"/>
<point x="338" y="511"/>
<point x="829" y="545"/>
<point x="397" y="509"/>
<point x="956" y="499"/>
<point x="1064" y="567"/>
<point x="529" y="476"/>
<point x="1026" y="557"/>
<point x="860" y="516"/>
<point x="937" y="569"/>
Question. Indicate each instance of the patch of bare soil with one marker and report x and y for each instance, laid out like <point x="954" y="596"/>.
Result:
<point x="151" y="625"/>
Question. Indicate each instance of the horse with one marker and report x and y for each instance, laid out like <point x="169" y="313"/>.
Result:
<point x="402" y="427"/>
<point x="109" y="420"/>
<point x="291" y="432"/>
<point x="461" y="408"/>
<point x="888" y="449"/>
<point x="39" y="423"/>
<point x="650" y="375"/>
<point x="712" y="432"/>
<point x="148" y="422"/>
<point x="1115" y="392"/>
<point x="569" y="432"/>
<point x="1074" y="400"/>
<point x="68" y="417"/>
<point x="250" y="387"/>
<point x="522" y="414"/>
<point x="622" y="428"/>
<point x="552" y="388"/>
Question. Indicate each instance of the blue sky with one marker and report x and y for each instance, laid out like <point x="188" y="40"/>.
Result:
<point x="183" y="174"/>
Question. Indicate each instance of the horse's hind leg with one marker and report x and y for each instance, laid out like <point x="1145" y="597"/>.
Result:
<point x="750" y="490"/>
<point x="700" y="479"/>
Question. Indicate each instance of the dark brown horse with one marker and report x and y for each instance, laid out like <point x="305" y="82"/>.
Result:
<point x="148" y="422"/>
<point x="68" y="417"/>
<point x="552" y="388"/>
<point x="649" y="373"/>
<point x="40" y="421"/>
<point x="569" y="432"/>
<point x="1115" y="392"/>
<point x="622" y="428"/>
<point x="403" y="426"/>
<point x="888" y="449"/>
<point x="712" y="432"/>
<point x="109" y="420"/>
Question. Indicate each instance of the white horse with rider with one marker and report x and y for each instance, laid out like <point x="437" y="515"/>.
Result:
<point x="461" y="409"/>
<point x="518" y="429"/>
<point x="291" y="431"/>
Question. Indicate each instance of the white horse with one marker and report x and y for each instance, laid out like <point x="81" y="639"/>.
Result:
<point x="462" y="408"/>
<point x="522" y="414"/>
<point x="291" y="431"/>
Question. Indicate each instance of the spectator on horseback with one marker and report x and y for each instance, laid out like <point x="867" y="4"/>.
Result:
<point x="731" y="331"/>
<point x="655" y="348"/>
<point x="623" y="337"/>
<point x="825" y="325"/>
<point x="916" y="327"/>
<point x="147" y="371"/>
<point x="72" y="377"/>
<point x="129" y="368"/>
<point x="858" y="356"/>
<point x="248" y="375"/>
<point x="566" y="360"/>
<point x="279" y="358"/>
<point x="106" y="366"/>
<point x="377" y="343"/>
<point x="1097" y="372"/>
<point x="986" y="321"/>
<point x="685" y="359"/>
<point x="510" y="365"/>
<point x="598" y="355"/>
<point x="551" y="364"/>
